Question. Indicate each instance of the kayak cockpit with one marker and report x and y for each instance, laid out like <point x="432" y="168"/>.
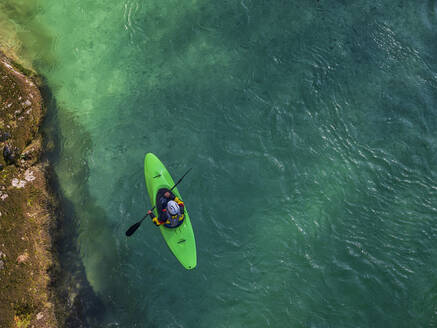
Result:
<point x="159" y="207"/>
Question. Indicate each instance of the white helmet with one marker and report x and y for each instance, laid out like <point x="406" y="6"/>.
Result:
<point x="173" y="207"/>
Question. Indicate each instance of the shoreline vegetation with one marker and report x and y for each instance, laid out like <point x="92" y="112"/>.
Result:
<point x="27" y="205"/>
<point x="42" y="279"/>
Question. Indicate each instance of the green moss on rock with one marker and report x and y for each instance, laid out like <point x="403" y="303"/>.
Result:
<point x="25" y="222"/>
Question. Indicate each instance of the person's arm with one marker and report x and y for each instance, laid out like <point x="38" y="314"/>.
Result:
<point x="180" y="203"/>
<point x="154" y="219"/>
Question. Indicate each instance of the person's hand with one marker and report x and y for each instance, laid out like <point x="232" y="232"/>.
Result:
<point x="149" y="212"/>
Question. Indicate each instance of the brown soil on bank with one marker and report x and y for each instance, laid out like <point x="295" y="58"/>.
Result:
<point x="26" y="205"/>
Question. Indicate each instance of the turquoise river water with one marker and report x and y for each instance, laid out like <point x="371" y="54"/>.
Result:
<point x="311" y="130"/>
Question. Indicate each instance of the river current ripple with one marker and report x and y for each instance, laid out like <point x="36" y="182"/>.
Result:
<point x="310" y="127"/>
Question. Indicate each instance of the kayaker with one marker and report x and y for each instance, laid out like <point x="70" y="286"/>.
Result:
<point x="172" y="211"/>
<point x="165" y="198"/>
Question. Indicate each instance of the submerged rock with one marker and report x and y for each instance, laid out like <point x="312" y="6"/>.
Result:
<point x="28" y="175"/>
<point x="32" y="152"/>
<point x="4" y="136"/>
<point x="3" y="195"/>
<point x="10" y="154"/>
<point x="18" y="183"/>
<point x="22" y="258"/>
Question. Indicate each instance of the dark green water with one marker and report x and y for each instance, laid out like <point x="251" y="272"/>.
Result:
<point x="311" y="130"/>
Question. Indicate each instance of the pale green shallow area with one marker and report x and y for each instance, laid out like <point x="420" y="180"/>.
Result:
<point x="311" y="130"/>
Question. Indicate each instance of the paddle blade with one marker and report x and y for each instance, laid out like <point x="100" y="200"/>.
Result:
<point x="132" y="229"/>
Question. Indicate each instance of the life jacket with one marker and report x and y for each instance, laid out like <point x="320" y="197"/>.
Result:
<point x="164" y="217"/>
<point x="174" y="220"/>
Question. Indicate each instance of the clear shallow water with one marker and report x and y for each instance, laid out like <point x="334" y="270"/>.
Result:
<point x="310" y="127"/>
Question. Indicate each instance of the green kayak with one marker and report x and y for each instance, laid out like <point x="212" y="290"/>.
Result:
<point x="180" y="239"/>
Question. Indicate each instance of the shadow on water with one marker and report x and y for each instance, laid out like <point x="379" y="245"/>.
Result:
<point x="77" y="303"/>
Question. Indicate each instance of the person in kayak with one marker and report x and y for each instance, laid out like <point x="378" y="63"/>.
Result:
<point x="171" y="213"/>
<point x="165" y="198"/>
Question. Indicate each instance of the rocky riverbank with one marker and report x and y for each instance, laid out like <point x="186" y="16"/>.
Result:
<point x="27" y="207"/>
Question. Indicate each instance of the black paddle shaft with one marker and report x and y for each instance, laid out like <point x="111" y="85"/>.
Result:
<point x="180" y="179"/>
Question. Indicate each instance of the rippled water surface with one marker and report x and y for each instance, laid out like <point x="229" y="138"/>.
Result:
<point x="311" y="130"/>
